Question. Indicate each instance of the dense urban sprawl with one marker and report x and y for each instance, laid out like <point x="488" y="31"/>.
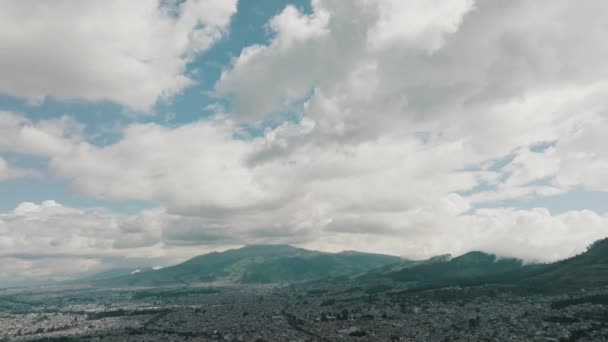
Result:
<point x="320" y="311"/>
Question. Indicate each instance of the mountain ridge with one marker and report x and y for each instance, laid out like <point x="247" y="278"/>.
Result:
<point x="266" y="263"/>
<point x="257" y="264"/>
<point x="587" y="269"/>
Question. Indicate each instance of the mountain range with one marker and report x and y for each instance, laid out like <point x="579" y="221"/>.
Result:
<point x="287" y="264"/>
<point x="468" y="268"/>
<point x="257" y="264"/>
<point x="586" y="270"/>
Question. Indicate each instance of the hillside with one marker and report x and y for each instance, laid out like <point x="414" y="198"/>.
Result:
<point x="391" y="269"/>
<point x="470" y="268"/>
<point x="258" y="264"/>
<point x="283" y="264"/>
<point x="588" y="269"/>
<point x="112" y="273"/>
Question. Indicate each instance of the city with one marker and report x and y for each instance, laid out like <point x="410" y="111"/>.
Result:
<point x="316" y="311"/>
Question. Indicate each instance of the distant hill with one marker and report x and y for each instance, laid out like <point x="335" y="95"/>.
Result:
<point x="586" y="270"/>
<point x="389" y="270"/>
<point x="257" y="264"/>
<point x="113" y="273"/>
<point x="284" y="264"/>
<point x="466" y="269"/>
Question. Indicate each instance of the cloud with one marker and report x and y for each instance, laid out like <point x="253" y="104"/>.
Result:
<point x="405" y="134"/>
<point x="49" y="228"/>
<point x="533" y="235"/>
<point x="53" y="137"/>
<point x="582" y="159"/>
<point x="329" y="47"/>
<point x="477" y="80"/>
<point x="454" y="77"/>
<point x="17" y="271"/>
<point x="296" y="185"/>
<point x="8" y="171"/>
<point x="192" y="167"/>
<point x="415" y="23"/>
<point x="131" y="53"/>
<point x="49" y="241"/>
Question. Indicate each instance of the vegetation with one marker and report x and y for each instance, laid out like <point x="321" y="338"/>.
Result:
<point x="258" y="264"/>
<point x="588" y="269"/>
<point x="283" y="264"/>
<point x="466" y="269"/>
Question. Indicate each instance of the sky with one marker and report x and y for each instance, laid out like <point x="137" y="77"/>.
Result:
<point x="142" y="133"/>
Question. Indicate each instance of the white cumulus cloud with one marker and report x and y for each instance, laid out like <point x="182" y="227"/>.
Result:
<point x="129" y="52"/>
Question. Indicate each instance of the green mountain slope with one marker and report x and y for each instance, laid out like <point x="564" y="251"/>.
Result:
<point x="112" y="273"/>
<point x="388" y="270"/>
<point x="468" y="268"/>
<point x="258" y="264"/>
<point x="588" y="269"/>
<point x="281" y="264"/>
